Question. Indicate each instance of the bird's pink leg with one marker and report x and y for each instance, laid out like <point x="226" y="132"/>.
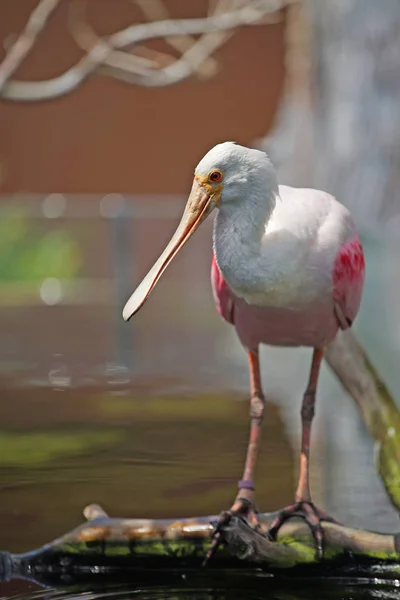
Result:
<point x="243" y="503"/>
<point x="257" y="404"/>
<point x="307" y="414"/>
<point x="303" y="506"/>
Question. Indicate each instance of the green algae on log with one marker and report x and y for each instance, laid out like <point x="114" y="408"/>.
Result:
<point x="122" y="545"/>
<point x="349" y="361"/>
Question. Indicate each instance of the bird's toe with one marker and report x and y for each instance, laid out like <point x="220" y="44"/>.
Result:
<point x="311" y="514"/>
<point x="242" y="507"/>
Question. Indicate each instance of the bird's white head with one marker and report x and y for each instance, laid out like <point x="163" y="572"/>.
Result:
<point x="225" y="176"/>
<point x="234" y="173"/>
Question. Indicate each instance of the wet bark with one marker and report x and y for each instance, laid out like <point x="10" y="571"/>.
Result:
<point x="350" y="362"/>
<point x="106" y="546"/>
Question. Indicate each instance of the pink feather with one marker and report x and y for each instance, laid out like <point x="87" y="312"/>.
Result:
<point x="278" y="326"/>
<point x="348" y="281"/>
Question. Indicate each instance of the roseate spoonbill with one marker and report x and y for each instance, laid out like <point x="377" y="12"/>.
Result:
<point x="287" y="270"/>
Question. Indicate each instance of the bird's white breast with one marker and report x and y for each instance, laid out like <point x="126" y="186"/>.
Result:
<point x="283" y="259"/>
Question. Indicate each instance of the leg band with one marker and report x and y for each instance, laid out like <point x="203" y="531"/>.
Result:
<point x="246" y="484"/>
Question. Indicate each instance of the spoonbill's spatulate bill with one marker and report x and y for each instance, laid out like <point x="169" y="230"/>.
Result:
<point x="287" y="270"/>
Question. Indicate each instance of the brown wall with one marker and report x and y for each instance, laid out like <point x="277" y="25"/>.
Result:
<point x="108" y="136"/>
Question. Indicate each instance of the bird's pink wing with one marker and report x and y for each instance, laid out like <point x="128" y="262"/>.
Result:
<point x="348" y="281"/>
<point x="222" y="293"/>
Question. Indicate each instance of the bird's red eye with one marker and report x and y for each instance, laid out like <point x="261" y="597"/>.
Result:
<point x="215" y="176"/>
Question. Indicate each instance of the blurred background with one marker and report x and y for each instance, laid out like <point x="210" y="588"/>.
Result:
<point x="104" y="113"/>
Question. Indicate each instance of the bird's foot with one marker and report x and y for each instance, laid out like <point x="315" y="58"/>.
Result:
<point x="243" y="507"/>
<point x="311" y="514"/>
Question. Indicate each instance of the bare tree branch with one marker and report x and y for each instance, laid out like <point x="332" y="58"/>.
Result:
<point x="20" y="49"/>
<point x="124" y="66"/>
<point x="179" y="70"/>
<point x="102" y="52"/>
<point x="155" y="10"/>
<point x="86" y="39"/>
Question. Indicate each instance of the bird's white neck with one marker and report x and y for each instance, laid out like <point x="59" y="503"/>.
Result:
<point x="239" y="229"/>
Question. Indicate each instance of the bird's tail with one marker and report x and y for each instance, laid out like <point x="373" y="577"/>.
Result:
<point x="349" y="361"/>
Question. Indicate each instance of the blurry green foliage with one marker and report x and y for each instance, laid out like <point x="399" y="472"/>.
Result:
<point x="28" y="254"/>
<point x="35" y="449"/>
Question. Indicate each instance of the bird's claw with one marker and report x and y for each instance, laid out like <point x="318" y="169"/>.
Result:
<point x="311" y="514"/>
<point x="243" y="508"/>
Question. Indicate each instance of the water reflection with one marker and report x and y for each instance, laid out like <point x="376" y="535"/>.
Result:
<point x="59" y="376"/>
<point x="225" y="587"/>
<point x="152" y="419"/>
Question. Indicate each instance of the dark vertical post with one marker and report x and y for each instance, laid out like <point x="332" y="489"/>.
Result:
<point x="118" y="215"/>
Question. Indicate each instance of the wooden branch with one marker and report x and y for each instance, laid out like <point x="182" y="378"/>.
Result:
<point x="155" y="10"/>
<point x="296" y="546"/>
<point x="126" y="544"/>
<point x="144" y="64"/>
<point x="178" y="70"/>
<point x="350" y="362"/>
<point x="21" y="48"/>
<point x="162" y="69"/>
<point x="252" y="13"/>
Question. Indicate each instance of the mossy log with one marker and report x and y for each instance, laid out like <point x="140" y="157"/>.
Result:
<point x="112" y="545"/>
<point x="351" y="364"/>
